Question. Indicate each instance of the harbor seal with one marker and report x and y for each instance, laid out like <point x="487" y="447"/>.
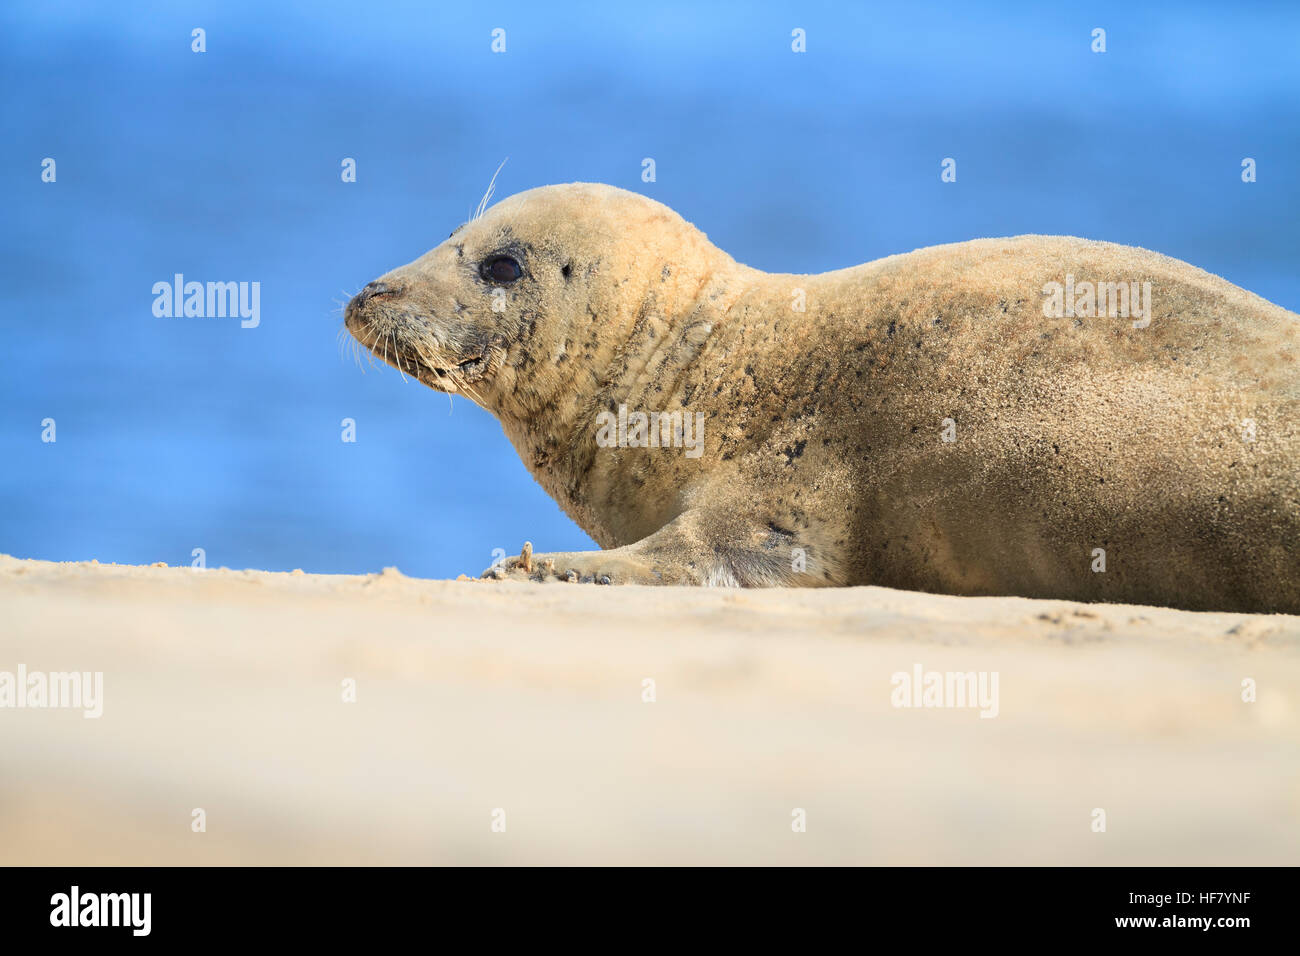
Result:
<point x="1039" y="416"/>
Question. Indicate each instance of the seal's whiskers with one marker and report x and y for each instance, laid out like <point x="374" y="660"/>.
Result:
<point x="487" y="196"/>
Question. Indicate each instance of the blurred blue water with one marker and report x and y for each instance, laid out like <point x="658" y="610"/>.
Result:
<point x="182" y="433"/>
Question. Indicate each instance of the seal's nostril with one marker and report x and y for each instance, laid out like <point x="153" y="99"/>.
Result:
<point x="371" y="290"/>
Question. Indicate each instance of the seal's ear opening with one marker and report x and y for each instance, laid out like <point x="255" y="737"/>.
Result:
<point x="567" y="271"/>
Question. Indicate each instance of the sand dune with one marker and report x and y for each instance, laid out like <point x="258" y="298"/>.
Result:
<point x="223" y="690"/>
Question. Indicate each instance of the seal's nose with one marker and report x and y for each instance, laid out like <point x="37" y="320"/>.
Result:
<point x="371" y="290"/>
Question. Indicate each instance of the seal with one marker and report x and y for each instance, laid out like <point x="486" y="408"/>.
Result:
<point x="1037" y="416"/>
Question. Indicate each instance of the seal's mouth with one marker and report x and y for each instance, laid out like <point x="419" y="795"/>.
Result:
<point x="471" y="368"/>
<point x="454" y="378"/>
<point x="407" y="342"/>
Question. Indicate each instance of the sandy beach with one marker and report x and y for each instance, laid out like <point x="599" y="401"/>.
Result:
<point x="508" y="723"/>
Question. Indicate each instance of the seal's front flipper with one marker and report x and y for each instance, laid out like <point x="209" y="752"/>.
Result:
<point x="616" y="566"/>
<point x="699" y="547"/>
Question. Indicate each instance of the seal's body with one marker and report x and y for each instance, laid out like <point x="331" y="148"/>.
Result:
<point x="959" y="419"/>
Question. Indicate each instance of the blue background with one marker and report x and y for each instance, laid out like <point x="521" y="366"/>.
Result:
<point x="182" y="433"/>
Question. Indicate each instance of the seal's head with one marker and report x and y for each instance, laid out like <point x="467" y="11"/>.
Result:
<point x="540" y="290"/>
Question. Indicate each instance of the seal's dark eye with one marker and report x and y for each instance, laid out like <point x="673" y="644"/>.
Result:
<point x="502" y="269"/>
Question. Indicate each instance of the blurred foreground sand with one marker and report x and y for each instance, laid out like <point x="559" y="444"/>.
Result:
<point x="222" y="690"/>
